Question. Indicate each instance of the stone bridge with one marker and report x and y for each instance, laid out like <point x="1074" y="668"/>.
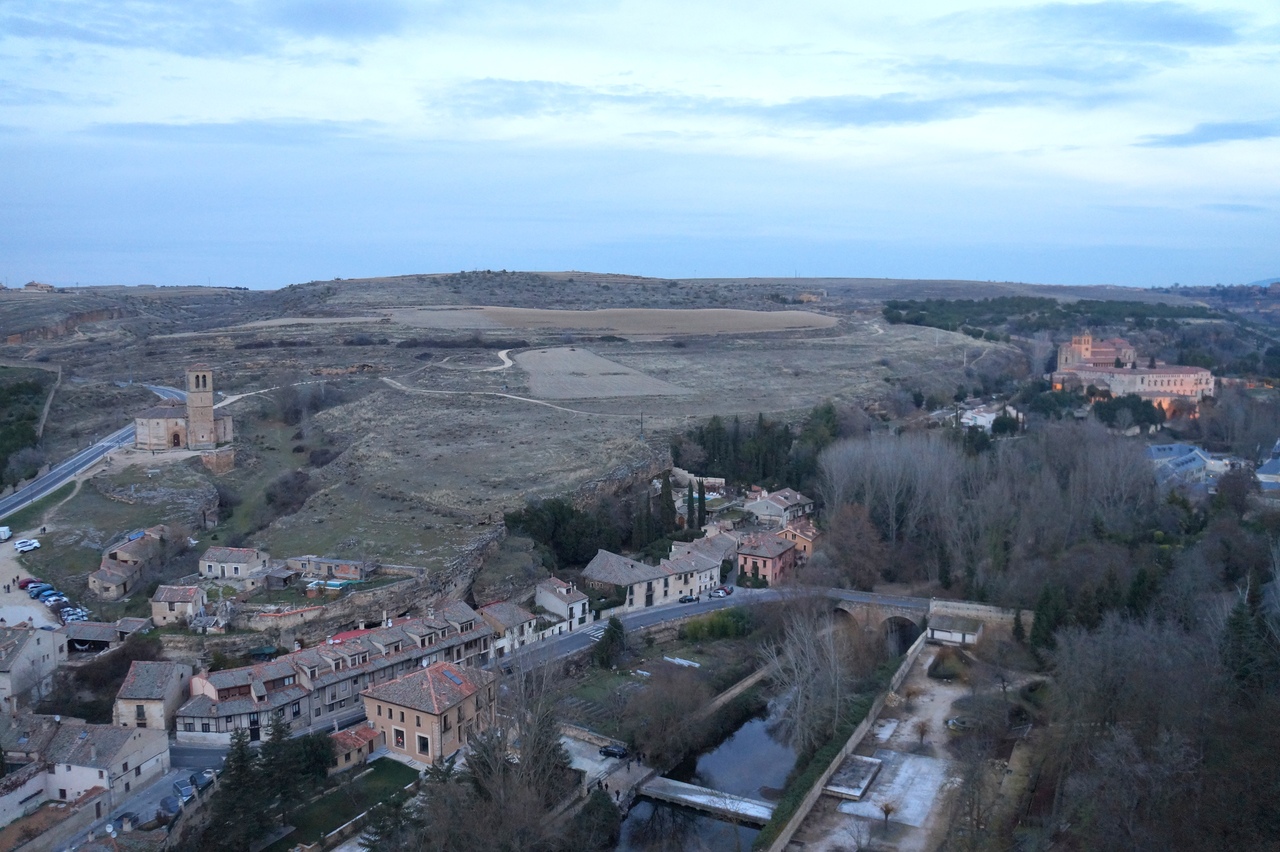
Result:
<point x="899" y="619"/>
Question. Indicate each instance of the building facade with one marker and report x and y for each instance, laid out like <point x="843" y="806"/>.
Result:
<point x="766" y="556"/>
<point x="177" y="604"/>
<point x="195" y="425"/>
<point x="563" y="601"/>
<point x="431" y="713"/>
<point x="151" y="694"/>
<point x="316" y="688"/>
<point x="232" y="562"/>
<point x="28" y="658"/>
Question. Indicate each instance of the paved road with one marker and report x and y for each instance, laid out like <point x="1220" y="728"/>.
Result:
<point x="144" y="803"/>
<point x="64" y="470"/>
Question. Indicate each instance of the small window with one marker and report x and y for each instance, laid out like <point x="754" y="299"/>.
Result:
<point x="417" y="720"/>
<point x="401" y="715"/>
<point x="379" y="709"/>
<point x="137" y="771"/>
<point x="424" y="745"/>
<point x="204" y="727"/>
<point x="346" y="758"/>
<point x="125" y="767"/>
<point x="190" y="727"/>
<point x="317" y="713"/>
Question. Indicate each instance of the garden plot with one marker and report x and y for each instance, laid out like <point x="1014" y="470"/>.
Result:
<point x="573" y="373"/>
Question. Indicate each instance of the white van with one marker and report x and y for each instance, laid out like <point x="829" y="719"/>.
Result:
<point x="5" y="533"/>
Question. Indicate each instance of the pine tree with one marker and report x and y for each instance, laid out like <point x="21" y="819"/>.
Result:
<point x="1019" y="632"/>
<point x="280" y="770"/>
<point x="238" y="817"/>
<point x="702" y="504"/>
<point x="690" y="518"/>
<point x="666" y="508"/>
<point x="1049" y="614"/>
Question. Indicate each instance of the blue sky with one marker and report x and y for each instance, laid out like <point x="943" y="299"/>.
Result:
<point x="259" y="144"/>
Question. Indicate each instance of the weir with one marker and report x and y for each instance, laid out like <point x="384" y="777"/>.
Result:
<point x="738" y="808"/>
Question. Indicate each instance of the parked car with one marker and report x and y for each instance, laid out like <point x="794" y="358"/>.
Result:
<point x="117" y="824"/>
<point x="690" y="598"/>
<point x="28" y="581"/>
<point x="25" y="545"/>
<point x="205" y="779"/>
<point x="34" y="590"/>
<point x="184" y="789"/>
<point x="48" y="593"/>
<point x="728" y="590"/>
<point x="613" y="751"/>
<point x="962" y="723"/>
<point x="170" y="806"/>
<point x="54" y="600"/>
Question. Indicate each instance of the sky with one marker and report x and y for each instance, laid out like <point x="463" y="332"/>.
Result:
<point x="259" y="144"/>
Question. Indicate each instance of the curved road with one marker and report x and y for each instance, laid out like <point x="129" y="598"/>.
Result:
<point x="82" y="460"/>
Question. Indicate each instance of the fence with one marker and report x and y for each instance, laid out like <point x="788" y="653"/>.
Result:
<point x="860" y="732"/>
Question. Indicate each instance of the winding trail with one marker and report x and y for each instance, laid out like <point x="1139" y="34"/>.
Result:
<point x="398" y="386"/>
<point x="506" y="363"/>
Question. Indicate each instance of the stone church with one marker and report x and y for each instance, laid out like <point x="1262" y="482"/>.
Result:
<point x="171" y="425"/>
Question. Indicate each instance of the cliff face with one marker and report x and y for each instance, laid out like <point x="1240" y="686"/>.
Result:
<point x="64" y="326"/>
<point x="624" y="476"/>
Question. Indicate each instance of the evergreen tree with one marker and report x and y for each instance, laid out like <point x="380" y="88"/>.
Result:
<point x="611" y="644"/>
<point x="1019" y="632"/>
<point x="666" y="508"/>
<point x="1142" y="590"/>
<point x="238" y="817"/>
<point x="279" y="769"/>
<point x="702" y="504"/>
<point x="690" y="517"/>
<point x="1050" y="612"/>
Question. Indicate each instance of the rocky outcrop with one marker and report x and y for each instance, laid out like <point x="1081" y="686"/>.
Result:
<point x="624" y="476"/>
<point x="64" y="326"/>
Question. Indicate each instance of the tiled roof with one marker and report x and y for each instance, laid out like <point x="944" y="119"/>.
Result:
<point x="434" y="690"/>
<point x="504" y="615"/>
<point x="353" y="738"/>
<point x="804" y="528"/>
<point x="92" y="631"/>
<point x="618" y="570"/>
<point x="150" y="680"/>
<point x="12" y="640"/>
<point x="87" y="745"/>
<point x="132" y="624"/>
<point x="176" y="594"/>
<point x="450" y="617"/>
<point x="229" y="554"/>
<point x="563" y="589"/>
<point x="163" y="410"/>
<point x="766" y="545"/>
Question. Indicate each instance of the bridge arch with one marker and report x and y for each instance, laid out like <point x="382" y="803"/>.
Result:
<point x="899" y="632"/>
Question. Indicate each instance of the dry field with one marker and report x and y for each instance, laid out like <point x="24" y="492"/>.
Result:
<point x="658" y="322"/>
<point x="573" y="373"/>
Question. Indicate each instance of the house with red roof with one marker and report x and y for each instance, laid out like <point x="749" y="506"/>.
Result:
<point x="430" y="714"/>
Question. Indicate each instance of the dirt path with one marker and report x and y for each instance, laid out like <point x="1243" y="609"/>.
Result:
<point x="401" y="387"/>
<point x="506" y="363"/>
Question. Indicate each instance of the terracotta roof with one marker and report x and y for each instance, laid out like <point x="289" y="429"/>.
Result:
<point x="563" y="589"/>
<point x="804" y="528"/>
<point x="353" y="738"/>
<point x="435" y="689"/>
<point x="150" y="680"/>
<point x="176" y="594"/>
<point x="229" y="554"/>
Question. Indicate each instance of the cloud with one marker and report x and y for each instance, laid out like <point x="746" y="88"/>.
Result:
<point x="1234" y="208"/>
<point x="276" y="132"/>
<point x="201" y="27"/>
<point x="946" y="68"/>
<point x="1139" y="23"/>
<point x="1209" y="133"/>
<point x="497" y="98"/>
<point x="13" y="94"/>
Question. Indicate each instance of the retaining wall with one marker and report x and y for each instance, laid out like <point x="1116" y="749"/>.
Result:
<point x="982" y="612"/>
<point x="855" y="740"/>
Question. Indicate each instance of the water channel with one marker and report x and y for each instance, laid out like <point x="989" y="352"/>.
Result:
<point x="751" y="762"/>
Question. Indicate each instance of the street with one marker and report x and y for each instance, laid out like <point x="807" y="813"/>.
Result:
<point x="86" y="458"/>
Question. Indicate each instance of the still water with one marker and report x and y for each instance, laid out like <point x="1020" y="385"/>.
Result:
<point x="751" y="763"/>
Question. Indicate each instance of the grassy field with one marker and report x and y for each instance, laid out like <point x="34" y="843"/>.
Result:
<point x="344" y="804"/>
<point x="27" y="518"/>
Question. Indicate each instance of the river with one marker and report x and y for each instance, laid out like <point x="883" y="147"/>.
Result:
<point x="750" y="762"/>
